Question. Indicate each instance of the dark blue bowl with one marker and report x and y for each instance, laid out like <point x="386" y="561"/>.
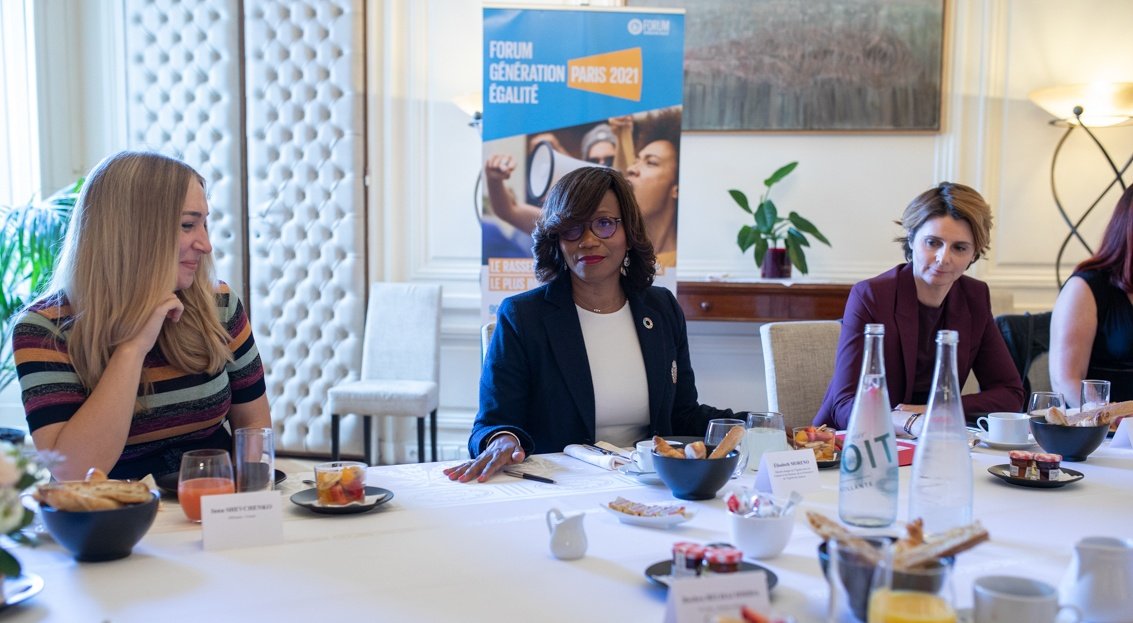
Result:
<point x="694" y="479"/>
<point x="1074" y="443"/>
<point x="94" y="536"/>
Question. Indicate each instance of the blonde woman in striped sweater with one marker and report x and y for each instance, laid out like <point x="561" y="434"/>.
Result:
<point x="137" y="354"/>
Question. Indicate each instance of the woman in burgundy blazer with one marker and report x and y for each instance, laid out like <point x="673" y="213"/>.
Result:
<point x="947" y="229"/>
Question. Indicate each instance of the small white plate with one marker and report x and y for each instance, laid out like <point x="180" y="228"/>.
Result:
<point x="1000" y="445"/>
<point x="663" y="521"/>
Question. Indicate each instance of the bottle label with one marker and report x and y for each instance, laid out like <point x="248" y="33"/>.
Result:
<point x="867" y="453"/>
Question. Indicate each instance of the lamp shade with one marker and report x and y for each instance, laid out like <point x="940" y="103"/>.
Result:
<point x="1103" y="103"/>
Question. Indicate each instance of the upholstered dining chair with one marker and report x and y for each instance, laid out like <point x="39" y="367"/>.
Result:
<point x="400" y="365"/>
<point x="798" y="362"/>
<point x="1027" y="337"/>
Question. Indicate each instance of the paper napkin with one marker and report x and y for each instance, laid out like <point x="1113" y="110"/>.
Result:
<point x="596" y="458"/>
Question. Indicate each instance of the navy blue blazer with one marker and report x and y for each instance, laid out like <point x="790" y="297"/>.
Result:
<point x="536" y="379"/>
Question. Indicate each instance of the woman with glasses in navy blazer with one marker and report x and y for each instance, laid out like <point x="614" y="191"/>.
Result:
<point x="597" y="352"/>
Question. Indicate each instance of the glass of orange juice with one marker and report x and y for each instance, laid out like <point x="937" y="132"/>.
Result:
<point x="914" y="595"/>
<point x="203" y="472"/>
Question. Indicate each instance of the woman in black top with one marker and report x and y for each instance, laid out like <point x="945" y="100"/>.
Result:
<point x="1091" y="332"/>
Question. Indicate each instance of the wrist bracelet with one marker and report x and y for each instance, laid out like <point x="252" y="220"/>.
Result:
<point x="909" y="425"/>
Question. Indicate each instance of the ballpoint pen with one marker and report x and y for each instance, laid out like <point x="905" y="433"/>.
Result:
<point x="606" y="452"/>
<point x="518" y="474"/>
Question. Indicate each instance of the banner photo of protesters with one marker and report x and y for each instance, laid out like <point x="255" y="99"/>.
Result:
<point x="569" y="88"/>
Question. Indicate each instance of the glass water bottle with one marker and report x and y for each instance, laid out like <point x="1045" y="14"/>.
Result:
<point x="867" y="483"/>
<point x="941" y="490"/>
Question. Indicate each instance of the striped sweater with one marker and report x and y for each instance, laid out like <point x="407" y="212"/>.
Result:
<point x="182" y="409"/>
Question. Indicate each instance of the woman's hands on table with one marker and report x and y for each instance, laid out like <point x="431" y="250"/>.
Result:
<point x="502" y="451"/>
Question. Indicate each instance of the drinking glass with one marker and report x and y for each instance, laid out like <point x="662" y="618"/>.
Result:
<point x="849" y="574"/>
<point x="717" y="430"/>
<point x="1094" y="394"/>
<point x="765" y="433"/>
<point x="255" y="459"/>
<point x="203" y="472"/>
<point x="922" y="594"/>
<point x="1041" y="402"/>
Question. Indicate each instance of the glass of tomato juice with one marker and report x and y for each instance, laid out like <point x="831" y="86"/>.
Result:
<point x="203" y="472"/>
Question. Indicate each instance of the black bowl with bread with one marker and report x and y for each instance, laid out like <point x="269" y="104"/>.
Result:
<point x="1074" y="443"/>
<point x="97" y="520"/>
<point x="691" y="471"/>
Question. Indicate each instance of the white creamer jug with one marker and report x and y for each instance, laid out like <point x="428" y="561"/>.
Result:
<point x="1100" y="580"/>
<point x="568" y="539"/>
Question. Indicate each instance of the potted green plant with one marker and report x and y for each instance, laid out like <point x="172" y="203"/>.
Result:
<point x="31" y="236"/>
<point x="778" y="241"/>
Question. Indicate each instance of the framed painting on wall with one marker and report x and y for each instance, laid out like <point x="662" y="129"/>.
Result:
<point x="812" y="65"/>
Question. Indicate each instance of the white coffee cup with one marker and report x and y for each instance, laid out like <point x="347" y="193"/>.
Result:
<point x="1005" y="427"/>
<point x="643" y="456"/>
<point x="1013" y="599"/>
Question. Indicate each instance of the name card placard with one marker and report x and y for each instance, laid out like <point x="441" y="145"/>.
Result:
<point x="242" y="519"/>
<point x="782" y="472"/>
<point x="698" y="599"/>
<point x="1123" y="436"/>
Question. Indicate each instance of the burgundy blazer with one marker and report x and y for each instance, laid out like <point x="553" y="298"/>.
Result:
<point x="891" y="299"/>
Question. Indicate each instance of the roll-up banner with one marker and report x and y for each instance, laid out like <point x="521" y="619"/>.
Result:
<point x="566" y="88"/>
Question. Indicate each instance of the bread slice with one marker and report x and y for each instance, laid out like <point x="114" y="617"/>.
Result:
<point x="92" y="496"/>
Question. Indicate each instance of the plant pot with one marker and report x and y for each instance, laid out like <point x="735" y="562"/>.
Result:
<point x="776" y="264"/>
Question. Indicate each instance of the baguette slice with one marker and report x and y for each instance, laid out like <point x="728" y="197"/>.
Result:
<point x="663" y="448"/>
<point x="696" y="450"/>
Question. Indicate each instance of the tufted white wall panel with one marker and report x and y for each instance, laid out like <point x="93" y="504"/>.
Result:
<point x="183" y="100"/>
<point x="304" y="81"/>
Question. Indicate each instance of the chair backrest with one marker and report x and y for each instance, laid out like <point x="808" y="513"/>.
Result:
<point x="798" y="361"/>
<point x="403" y="332"/>
<point x="486" y="339"/>
<point x="1028" y="340"/>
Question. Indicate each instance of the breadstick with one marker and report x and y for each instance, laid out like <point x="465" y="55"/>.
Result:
<point x="662" y="447"/>
<point x="731" y="440"/>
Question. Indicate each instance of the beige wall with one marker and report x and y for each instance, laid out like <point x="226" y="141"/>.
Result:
<point x="852" y="186"/>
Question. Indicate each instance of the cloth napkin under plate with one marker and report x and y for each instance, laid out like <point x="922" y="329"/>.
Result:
<point x="596" y="458"/>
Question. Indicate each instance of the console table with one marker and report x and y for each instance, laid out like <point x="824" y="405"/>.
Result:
<point x="762" y="301"/>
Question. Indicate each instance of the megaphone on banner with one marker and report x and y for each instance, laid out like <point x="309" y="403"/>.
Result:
<point x="546" y="166"/>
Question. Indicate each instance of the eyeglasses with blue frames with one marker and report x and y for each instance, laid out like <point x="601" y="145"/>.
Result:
<point x="602" y="227"/>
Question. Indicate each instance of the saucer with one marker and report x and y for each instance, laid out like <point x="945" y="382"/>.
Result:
<point x="1003" y="472"/>
<point x="660" y="573"/>
<point x="375" y="497"/>
<point x="1003" y="445"/>
<point x="20" y="588"/>
<point x="645" y="478"/>
<point x="968" y="615"/>
<point x="168" y="482"/>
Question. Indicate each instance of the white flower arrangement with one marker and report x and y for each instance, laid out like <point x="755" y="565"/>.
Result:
<point x="18" y="472"/>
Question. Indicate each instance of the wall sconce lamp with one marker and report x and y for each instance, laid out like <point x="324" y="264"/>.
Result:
<point x="1085" y="106"/>
<point x="470" y="104"/>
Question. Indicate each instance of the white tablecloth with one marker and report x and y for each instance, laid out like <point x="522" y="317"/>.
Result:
<point x="441" y="551"/>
